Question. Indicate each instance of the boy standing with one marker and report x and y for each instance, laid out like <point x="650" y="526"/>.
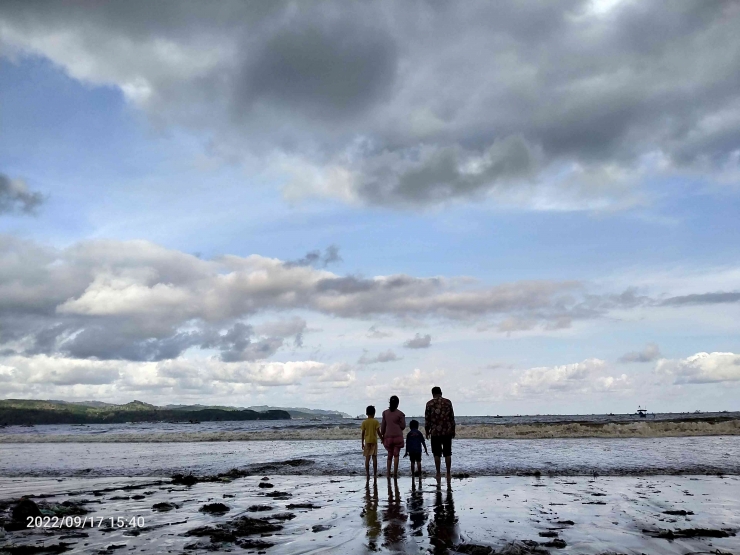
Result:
<point x="370" y="433"/>
<point x="414" y="442"/>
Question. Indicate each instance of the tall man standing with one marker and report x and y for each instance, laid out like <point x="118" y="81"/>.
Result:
<point x="439" y="423"/>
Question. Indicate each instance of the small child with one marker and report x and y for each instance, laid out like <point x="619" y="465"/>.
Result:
<point x="370" y="434"/>
<point x="414" y="442"/>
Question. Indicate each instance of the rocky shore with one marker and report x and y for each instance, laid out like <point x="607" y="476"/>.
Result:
<point x="241" y="512"/>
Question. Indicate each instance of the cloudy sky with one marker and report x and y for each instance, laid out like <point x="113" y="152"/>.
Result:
<point x="534" y="205"/>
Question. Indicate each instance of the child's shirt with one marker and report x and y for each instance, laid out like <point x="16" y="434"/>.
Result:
<point x="370" y="426"/>
<point x="414" y="441"/>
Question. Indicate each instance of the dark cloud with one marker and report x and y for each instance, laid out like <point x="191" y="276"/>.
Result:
<point x="385" y="356"/>
<point x="703" y="298"/>
<point x="542" y="104"/>
<point x="322" y="67"/>
<point x="315" y="258"/>
<point x="419" y="342"/>
<point x="650" y="353"/>
<point x="375" y="333"/>
<point x="15" y="196"/>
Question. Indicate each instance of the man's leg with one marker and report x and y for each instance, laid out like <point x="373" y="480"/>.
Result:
<point x="395" y="466"/>
<point x="367" y="465"/>
<point x="390" y="458"/>
<point x="448" y="464"/>
<point x="375" y="465"/>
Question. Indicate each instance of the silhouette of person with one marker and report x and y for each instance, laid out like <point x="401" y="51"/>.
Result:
<point x="443" y="530"/>
<point x="370" y="515"/>
<point x="415" y="506"/>
<point x="394" y="517"/>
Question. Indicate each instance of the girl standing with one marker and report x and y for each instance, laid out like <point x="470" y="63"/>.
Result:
<point x="391" y="429"/>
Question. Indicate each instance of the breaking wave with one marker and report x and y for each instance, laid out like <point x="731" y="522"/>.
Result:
<point x="643" y="429"/>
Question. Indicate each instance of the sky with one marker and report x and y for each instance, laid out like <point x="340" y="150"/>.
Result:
<point x="533" y="205"/>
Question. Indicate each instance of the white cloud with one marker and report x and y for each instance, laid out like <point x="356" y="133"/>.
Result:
<point x="701" y="368"/>
<point x="176" y="375"/>
<point x="586" y="376"/>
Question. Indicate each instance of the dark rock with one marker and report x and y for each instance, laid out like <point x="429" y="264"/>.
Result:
<point x="565" y="522"/>
<point x="258" y="508"/>
<point x="254" y="544"/>
<point x="279" y="494"/>
<point x="293" y="506"/>
<point x="34" y="549"/>
<point x="240" y="527"/>
<point x="689" y="533"/>
<point x="215" y="508"/>
<point x="25" y="508"/>
<point x="283" y="516"/>
<point x="164" y="507"/>
<point x="266" y="485"/>
<point x="121" y="498"/>
<point x="184" y="480"/>
<point x="678" y="513"/>
<point x="320" y="528"/>
<point x="474" y="549"/>
<point x="549" y="534"/>
<point x="524" y="547"/>
<point x="557" y="543"/>
<point x="138" y="497"/>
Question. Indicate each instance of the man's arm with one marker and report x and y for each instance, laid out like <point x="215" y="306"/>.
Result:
<point x="363" y="439"/>
<point x="424" y="443"/>
<point x="427" y="418"/>
<point x="452" y="418"/>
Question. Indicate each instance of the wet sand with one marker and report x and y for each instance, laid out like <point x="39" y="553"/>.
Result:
<point x="322" y="514"/>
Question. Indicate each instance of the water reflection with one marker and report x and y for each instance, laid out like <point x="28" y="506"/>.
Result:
<point x="394" y="518"/>
<point x="443" y="530"/>
<point x="370" y="515"/>
<point x="416" y="509"/>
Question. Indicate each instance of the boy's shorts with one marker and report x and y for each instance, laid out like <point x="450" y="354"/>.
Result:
<point x="414" y="457"/>
<point x="370" y="449"/>
<point x="393" y="445"/>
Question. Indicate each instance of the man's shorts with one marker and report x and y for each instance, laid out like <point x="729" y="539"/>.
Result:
<point x="370" y="449"/>
<point x="442" y="446"/>
<point x="414" y="457"/>
<point x="393" y="445"/>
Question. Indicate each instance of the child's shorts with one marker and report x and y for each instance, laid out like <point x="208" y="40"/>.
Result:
<point x="393" y="445"/>
<point x="414" y="457"/>
<point x="370" y="449"/>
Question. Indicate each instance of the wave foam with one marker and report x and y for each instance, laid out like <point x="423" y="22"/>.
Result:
<point x="677" y="428"/>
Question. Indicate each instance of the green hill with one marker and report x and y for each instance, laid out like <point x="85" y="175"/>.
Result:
<point x="27" y="411"/>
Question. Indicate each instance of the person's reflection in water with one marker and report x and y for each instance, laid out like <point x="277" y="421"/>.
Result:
<point x="370" y="515"/>
<point x="415" y="505"/>
<point x="443" y="531"/>
<point x="394" y="517"/>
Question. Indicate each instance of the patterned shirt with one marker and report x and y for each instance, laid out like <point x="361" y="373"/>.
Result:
<point x="439" y="418"/>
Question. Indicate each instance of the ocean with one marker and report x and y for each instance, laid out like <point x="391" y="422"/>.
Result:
<point x="710" y="445"/>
